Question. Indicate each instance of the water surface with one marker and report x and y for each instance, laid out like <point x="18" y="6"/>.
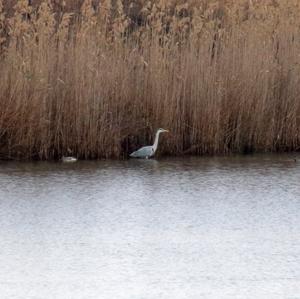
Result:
<point x="173" y="228"/>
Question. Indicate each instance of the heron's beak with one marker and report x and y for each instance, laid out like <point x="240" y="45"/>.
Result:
<point x="167" y="131"/>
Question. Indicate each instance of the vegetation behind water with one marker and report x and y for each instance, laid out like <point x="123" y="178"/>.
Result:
<point x="99" y="79"/>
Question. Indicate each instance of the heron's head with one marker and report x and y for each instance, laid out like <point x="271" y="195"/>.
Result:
<point x="162" y="130"/>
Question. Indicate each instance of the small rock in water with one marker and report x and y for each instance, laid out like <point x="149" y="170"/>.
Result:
<point x="69" y="159"/>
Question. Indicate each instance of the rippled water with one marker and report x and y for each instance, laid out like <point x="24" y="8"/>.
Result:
<point x="174" y="228"/>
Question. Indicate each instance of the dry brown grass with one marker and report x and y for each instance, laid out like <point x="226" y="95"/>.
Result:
<point x="222" y="76"/>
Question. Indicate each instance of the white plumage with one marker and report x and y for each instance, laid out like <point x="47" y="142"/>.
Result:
<point x="147" y="152"/>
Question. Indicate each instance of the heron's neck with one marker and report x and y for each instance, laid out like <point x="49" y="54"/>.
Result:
<point x="155" y="145"/>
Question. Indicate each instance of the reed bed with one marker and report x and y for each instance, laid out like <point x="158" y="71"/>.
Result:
<point x="98" y="79"/>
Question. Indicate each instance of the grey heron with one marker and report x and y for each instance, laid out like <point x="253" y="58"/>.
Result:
<point x="148" y="151"/>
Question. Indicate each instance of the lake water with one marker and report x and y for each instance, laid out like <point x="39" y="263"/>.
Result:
<point x="187" y="228"/>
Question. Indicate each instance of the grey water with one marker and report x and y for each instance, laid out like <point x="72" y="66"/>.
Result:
<point x="180" y="228"/>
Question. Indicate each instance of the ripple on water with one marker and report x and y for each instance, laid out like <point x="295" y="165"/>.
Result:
<point x="170" y="228"/>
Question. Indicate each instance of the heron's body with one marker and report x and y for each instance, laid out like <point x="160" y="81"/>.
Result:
<point x="144" y="152"/>
<point x="147" y="152"/>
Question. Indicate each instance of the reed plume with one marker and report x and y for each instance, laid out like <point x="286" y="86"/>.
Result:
<point x="100" y="78"/>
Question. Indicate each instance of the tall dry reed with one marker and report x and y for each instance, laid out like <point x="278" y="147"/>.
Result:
<point x="222" y="76"/>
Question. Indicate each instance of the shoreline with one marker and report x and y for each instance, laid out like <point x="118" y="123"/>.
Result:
<point x="292" y="155"/>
